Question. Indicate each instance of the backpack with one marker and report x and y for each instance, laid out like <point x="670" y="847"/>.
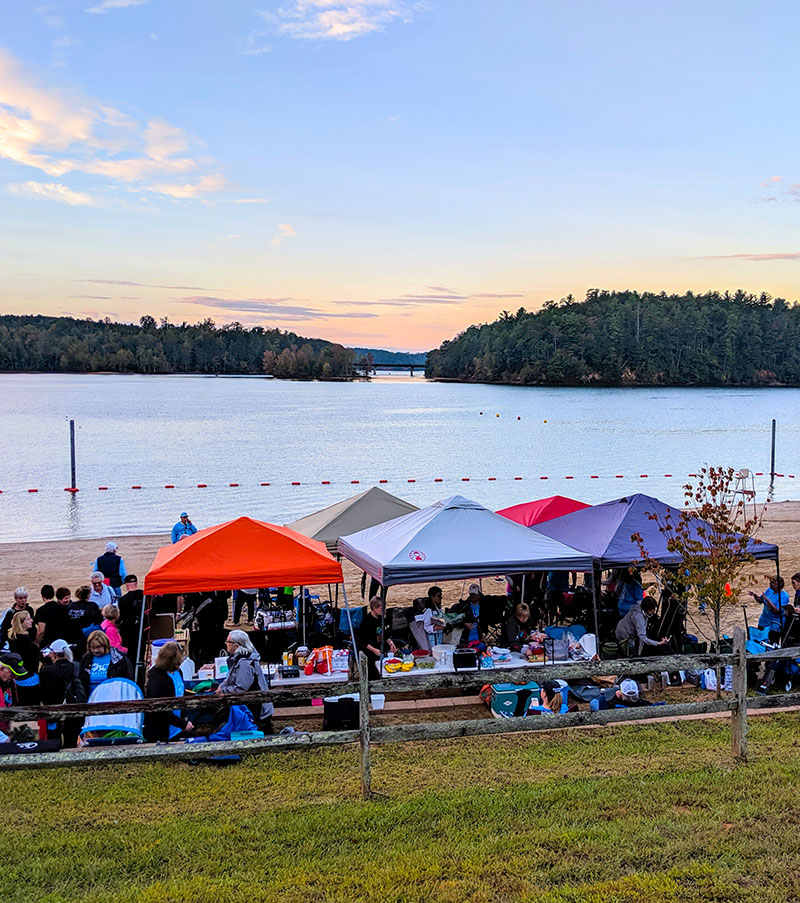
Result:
<point x="74" y="690"/>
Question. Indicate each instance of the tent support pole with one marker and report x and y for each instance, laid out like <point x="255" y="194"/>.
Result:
<point x="350" y="625"/>
<point x="597" y="576"/>
<point x="383" y="629"/>
<point x="301" y="608"/>
<point x="778" y="578"/>
<point x="139" y="642"/>
<point x="522" y="597"/>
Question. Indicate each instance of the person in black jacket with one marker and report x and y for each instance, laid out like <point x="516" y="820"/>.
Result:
<point x="163" y="681"/>
<point x="56" y="674"/>
<point x="206" y="625"/>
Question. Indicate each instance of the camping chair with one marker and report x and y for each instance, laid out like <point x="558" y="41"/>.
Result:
<point x="118" y="729"/>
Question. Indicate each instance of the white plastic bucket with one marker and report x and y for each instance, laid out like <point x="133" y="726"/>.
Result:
<point x="377" y="701"/>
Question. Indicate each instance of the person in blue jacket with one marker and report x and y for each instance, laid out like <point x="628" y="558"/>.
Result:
<point x="183" y="528"/>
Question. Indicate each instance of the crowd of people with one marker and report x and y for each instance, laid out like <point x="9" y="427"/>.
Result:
<point x="74" y="641"/>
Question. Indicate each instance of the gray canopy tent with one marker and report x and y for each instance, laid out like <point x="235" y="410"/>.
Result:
<point x="366" y="509"/>
<point x="453" y="539"/>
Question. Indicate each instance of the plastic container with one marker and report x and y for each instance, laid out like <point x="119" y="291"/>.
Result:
<point x="377" y="701"/>
<point x="441" y="649"/>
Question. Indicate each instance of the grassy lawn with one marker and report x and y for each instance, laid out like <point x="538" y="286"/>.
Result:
<point x="639" y="814"/>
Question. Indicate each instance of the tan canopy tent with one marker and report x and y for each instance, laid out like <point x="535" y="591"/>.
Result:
<point x="367" y="509"/>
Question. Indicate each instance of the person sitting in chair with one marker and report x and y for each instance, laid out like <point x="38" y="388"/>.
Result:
<point x="470" y="608"/>
<point x="632" y="628"/>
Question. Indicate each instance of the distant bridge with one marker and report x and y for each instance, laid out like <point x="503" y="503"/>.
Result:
<point x="399" y="365"/>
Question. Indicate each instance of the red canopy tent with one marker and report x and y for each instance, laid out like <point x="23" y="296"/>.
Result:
<point x="531" y="513"/>
<point x="241" y="552"/>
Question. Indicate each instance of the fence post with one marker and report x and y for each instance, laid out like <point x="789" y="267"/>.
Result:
<point x="739" y="700"/>
<point x="363" y="724"/>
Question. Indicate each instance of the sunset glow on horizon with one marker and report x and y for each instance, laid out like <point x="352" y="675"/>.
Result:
<point x="385" y="173"/>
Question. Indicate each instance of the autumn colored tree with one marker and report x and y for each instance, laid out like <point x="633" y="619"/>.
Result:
<point x="712" y="538"/>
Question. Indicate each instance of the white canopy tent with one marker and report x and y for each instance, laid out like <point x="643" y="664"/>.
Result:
<point x="452" y="539"/>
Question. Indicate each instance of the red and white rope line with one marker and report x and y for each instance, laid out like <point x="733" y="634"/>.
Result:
<point x="398" y="480"/>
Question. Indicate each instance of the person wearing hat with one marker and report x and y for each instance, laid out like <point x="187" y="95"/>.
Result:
<point x="112" y="567"/>
<point x="553" y="695"/>
<point x="183" y="528"/>
<point x="470" y="608"/>
<point x="59" y="672"/>
<point x="625" y="695"/>
<point x="26" y="685"/>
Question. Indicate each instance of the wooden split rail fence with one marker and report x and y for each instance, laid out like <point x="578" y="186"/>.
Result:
<point x="737" y="704"/>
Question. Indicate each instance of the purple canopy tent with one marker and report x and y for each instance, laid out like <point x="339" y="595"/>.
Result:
<point x="604" y="531"/>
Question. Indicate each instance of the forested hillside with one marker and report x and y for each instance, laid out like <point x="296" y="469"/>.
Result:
<point x="628" y="338"/>
<point x="63" y="344"/>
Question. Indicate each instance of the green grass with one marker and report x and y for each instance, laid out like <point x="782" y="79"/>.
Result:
<point x="639" y="814"/>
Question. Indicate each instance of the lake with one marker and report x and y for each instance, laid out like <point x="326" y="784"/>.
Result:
<point x="183" y="430"/>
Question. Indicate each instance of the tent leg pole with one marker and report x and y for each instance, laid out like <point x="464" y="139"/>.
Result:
<point x="301" y="608"/>
<point x="139" y="642"/>
<point x="350" y="625"/>
<point x="597" y="576"/>
<point x="383" y="628"/>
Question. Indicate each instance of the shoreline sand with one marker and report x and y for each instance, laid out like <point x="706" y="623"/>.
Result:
<point x="68" y="562"/>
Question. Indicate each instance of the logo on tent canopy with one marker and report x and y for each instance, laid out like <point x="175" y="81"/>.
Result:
<point x="416" y="555"/>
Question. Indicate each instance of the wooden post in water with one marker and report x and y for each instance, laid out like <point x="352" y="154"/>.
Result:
<point x="739" y="700"/>
<point x="363" y="725"/>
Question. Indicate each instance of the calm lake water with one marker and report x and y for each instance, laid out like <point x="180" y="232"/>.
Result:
<point x="155" y="430"/>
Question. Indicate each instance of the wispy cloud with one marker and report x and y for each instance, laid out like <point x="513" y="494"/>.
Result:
<point x="250" y="200"/>
<point x="284" y="231"/>
<point x="498" y="295"/>
<point x="178" y="288"/>
<point x="52" y="191"/>
<point x="273" y="308"/>
<point x="57" y="133"/>
<point x="107" y="5"/>
<point x="92" y="297"/>
<point x="339" y="20"/>
<point x="779" y="255"/>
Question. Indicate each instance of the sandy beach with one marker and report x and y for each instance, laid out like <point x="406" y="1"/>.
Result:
<point x="68" y="563"/>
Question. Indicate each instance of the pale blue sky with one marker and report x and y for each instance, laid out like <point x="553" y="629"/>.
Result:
<point x="390" y="171"/>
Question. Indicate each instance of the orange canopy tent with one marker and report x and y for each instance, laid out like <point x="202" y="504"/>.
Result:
<point x="241" y="552"/>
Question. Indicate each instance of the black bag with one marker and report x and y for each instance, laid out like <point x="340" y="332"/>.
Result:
<point x="75" y="691"/>
<point x="29" y="746"/>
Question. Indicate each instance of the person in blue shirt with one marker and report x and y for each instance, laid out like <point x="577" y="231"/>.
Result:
<point x="183" y="528"/>
<point x="774" y="600"/>
<point x="471" y="609"/>
<point x="101" y="662"/>
<point x="630" y="591"/>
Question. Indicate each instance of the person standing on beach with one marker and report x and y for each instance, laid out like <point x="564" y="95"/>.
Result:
<point x="112" y="567"/>
<point x="101" y="593"/>
<point x="183" y="528"/>
<point x="52" y="618"/>
<point x="20" y="603"/>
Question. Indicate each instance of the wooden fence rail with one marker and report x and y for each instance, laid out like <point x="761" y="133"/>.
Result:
<point x="737" y="704"/>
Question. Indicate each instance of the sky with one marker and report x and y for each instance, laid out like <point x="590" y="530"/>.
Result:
<point x="385" y="173"/>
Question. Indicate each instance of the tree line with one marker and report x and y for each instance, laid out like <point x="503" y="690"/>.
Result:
<point x="65" y="344"/>
<point x="632" y="338"/>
